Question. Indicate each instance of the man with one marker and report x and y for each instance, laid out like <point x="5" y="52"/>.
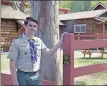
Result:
<point x="25" y="55"/>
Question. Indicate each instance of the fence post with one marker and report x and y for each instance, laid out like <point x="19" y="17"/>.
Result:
<point x="97" y="35"/>
<point x="72" y="59"/>
<point x="68" y="59"/>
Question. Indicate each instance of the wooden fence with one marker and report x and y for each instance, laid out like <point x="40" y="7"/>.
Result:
<point x="90" y="36"/>
<point x="69" y="72"/>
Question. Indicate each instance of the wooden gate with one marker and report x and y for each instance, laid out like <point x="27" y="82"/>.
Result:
<point x="69" y="72"/>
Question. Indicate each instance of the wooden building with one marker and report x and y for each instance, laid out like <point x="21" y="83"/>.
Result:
<point x="64" y="10"/>
<point x="99" y="6"/>
<point x="87" y="22"/>
<point x="9" y="24"/>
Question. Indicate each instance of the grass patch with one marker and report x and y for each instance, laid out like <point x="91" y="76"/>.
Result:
<point x="99" y="78"/>
<point x="89" y="61"/>
<point x="4" y="63"/>
<point x="92" y="79"/>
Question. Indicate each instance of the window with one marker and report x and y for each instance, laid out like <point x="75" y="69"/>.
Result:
<point x="80" y="28"/>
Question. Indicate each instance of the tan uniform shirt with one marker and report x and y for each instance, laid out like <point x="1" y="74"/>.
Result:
<point x="20" y="52"/>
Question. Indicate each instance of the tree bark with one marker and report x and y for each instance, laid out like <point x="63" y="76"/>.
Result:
<point x="34" y="13"/>
<point x="34" y="8"/>
<point x="49" y="27"/>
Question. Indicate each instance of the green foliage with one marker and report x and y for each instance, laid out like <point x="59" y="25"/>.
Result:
<point x="27" y="4"/>
<point x="78" y="6"/>
<point x="93" y="3"/>
<point x="75" y="6"/>
<point x="64" y="4"/>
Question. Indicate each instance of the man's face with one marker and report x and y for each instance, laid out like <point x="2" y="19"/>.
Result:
<point x="31" y="27"/>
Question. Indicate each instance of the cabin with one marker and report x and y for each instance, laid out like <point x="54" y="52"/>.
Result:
<point x="99" y="6"/>
<point x="9" y="24"/>
<point x="87" y="22"/>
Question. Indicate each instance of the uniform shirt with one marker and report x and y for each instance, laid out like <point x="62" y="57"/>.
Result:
<point x="20" y="52"/>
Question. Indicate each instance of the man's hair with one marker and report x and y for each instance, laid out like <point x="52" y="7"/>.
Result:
<point x="30" y="19"/>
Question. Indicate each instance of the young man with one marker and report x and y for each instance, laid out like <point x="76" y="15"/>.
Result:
<point x="25" y="55"/>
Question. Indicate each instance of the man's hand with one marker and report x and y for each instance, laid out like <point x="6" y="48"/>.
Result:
<point x="62" y="36"/>
<point x="58" y="45"/>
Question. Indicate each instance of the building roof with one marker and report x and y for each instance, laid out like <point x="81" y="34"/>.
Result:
<point x="22" y="22"/>
<point x="104" y="18"/>
<point x="65" y="10"/>
<point x="9" y="13"/>
<point x="103" y="5"/>
<point x="82" y="15"/>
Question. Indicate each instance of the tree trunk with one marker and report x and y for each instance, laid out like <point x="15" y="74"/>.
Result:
<point x="34" y="8"/>
<point x="34" y="11"/>
<point x="49" y="27"/>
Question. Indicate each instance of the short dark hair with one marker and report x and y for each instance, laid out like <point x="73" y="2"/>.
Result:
<point x="30" y="19"/>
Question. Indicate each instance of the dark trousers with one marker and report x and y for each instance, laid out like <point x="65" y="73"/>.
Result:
<point x="28" y="78"/>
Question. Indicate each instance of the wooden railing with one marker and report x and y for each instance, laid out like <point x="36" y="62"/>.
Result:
<point x="69" y="45"/>
<point x="90" y="36"/>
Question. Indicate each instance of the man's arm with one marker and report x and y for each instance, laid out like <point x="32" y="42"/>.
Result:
<point x="13" y="72"/>
<point x="50" y="52"/>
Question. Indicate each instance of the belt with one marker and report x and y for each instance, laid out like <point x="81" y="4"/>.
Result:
<point x="18" y="70"/>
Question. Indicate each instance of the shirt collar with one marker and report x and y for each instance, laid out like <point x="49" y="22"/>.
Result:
<point x="26" y="38"/>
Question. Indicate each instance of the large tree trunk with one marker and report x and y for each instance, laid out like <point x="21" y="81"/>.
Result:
<point x="34" y="8"/>
<point x="49" y="27"/>
<point x="34" y="11"/>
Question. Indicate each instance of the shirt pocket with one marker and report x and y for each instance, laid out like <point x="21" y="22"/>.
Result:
<point x="24" y="50"/>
